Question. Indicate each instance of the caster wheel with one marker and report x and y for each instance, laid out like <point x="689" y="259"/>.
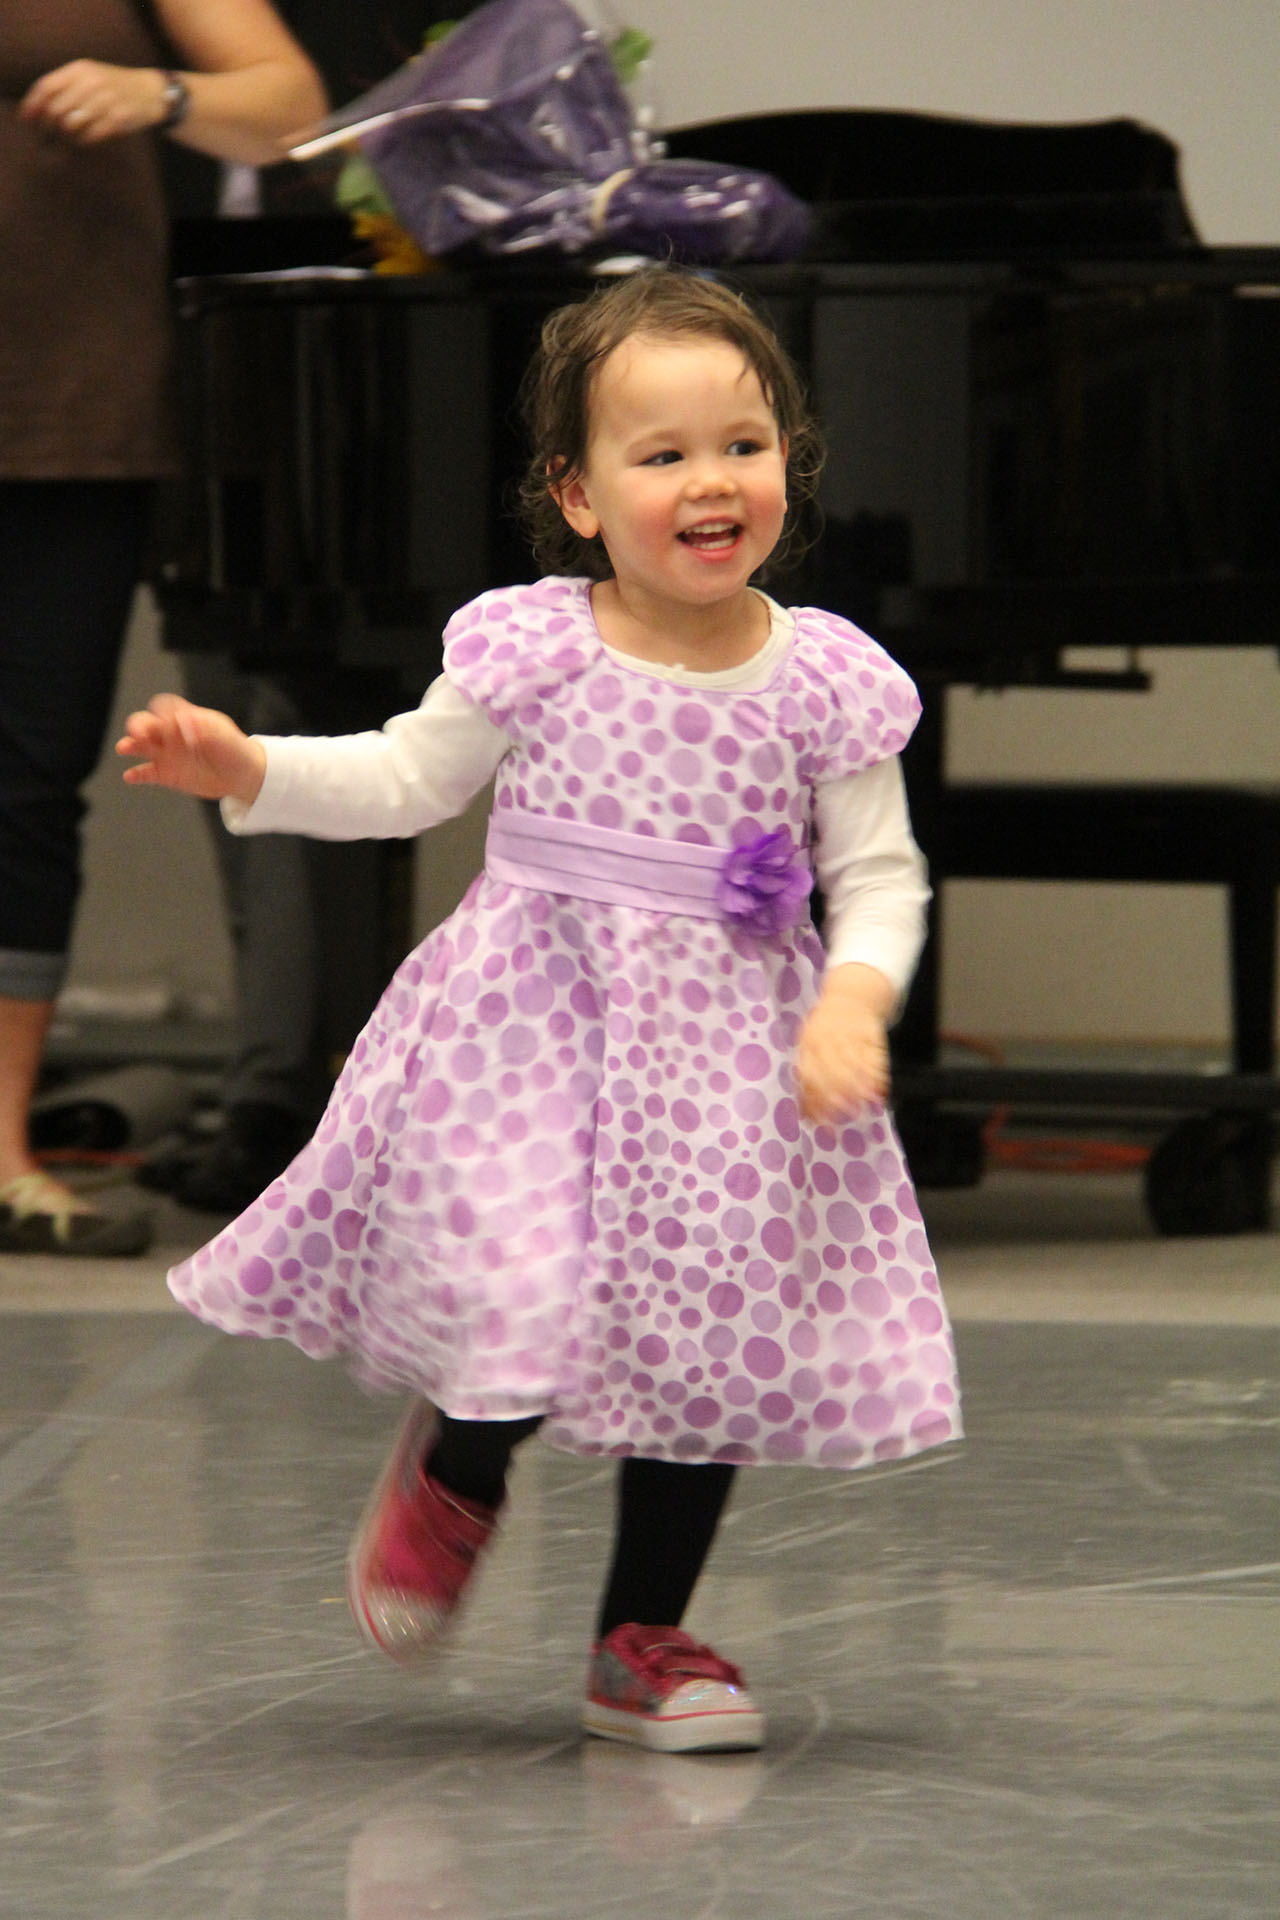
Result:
<point x="1212" y="1175"/>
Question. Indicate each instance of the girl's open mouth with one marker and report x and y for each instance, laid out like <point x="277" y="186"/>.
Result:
<point x="712" y="536"/>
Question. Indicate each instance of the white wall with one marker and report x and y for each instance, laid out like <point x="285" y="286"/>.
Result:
<point x="1049" y="961"/>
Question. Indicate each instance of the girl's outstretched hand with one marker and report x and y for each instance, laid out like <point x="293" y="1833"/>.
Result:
<point x="842" y="1061"/>
<point x="193" y="749"/>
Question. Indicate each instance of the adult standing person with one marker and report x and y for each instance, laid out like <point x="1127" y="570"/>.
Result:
<point x="302" y="988"/>
<point x="85" y="429"/>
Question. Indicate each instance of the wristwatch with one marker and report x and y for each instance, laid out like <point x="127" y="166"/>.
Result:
<point x="177" y="102"/>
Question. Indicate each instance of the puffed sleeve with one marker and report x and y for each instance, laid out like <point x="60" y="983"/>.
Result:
<point x="854" y="705"/>
<point x="514" y="645"/>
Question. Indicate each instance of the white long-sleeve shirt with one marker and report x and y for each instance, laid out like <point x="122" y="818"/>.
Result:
<point x="425" y="766"/>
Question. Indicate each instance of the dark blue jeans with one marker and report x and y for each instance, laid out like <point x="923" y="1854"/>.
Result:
<point x="70" y="556"/>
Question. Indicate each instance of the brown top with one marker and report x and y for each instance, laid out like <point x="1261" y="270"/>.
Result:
<point x="84" y="295"/>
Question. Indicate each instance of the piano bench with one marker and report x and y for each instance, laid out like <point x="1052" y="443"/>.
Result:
<point x="1227" y="836"/>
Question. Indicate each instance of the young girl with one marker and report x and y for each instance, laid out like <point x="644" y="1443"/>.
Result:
<point x="611" y="1157"/>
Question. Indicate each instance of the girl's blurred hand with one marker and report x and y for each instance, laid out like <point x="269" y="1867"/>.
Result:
<point x="842" y="1061"/>
<point x="192" y="749"/>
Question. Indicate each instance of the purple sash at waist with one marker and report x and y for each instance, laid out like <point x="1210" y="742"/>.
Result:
<point x="763" y="887"/>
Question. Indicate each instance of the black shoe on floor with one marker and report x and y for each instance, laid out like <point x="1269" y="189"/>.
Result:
<point x="162" y="1174"/>
<point x="256" y="1143"/>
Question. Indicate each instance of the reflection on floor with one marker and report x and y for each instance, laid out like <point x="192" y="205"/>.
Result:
<point x="1037" y="1679"/>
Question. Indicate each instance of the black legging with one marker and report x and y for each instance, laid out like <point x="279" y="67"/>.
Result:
<point x="70" y="555"/>
<point x="667" y="1516"/>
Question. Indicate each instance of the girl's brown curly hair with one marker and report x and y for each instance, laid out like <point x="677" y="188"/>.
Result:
<point x="556" y="400"/>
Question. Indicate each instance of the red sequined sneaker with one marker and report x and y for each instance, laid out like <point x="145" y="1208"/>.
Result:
<point x="414" y="1550"/>
<point x="658" y="1688"/>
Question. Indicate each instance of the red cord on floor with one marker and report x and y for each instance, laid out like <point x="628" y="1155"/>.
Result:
<point x="1046" y="1154"/>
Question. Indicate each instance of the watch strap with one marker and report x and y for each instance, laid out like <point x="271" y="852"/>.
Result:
<point x="177" y="101"/>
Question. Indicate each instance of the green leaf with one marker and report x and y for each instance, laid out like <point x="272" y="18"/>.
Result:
<point x="358" y="188"/>
<point x="628" y="52"/>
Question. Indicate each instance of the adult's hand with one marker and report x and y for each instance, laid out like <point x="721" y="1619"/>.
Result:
<point x="88" y="100"/>
<point x="251" y="90"/>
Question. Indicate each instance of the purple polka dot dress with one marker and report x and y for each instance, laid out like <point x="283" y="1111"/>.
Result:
<point x="563" y="1171"/>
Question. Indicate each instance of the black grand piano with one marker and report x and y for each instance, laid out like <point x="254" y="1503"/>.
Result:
<point x="1054" y="420"/>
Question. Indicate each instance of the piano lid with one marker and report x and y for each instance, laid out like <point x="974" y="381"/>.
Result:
<point x="916" y="186"/>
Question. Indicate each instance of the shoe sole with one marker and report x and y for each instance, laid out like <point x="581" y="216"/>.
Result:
<point x="414" y="1436"/>
<point x="411" y="1656"/>
<point x="107" y="1240"/>
<point x="741" y="1732"/>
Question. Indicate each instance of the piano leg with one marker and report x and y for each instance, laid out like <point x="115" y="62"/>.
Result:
<point x="1212" y="1173"/>
<point x="943" y="1147"/>
<point x="1253" y="969"/>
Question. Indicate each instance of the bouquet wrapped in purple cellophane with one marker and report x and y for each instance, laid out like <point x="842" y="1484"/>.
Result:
<point x="513" y="135"/>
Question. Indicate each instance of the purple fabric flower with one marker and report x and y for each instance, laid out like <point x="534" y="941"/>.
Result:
<point x="763" y="885"/>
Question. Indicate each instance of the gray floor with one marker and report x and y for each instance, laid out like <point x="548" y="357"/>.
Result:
<point x="1040" y="1677"/>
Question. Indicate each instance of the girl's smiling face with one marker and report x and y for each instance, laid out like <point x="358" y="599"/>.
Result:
<point x="685" y="473"/>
